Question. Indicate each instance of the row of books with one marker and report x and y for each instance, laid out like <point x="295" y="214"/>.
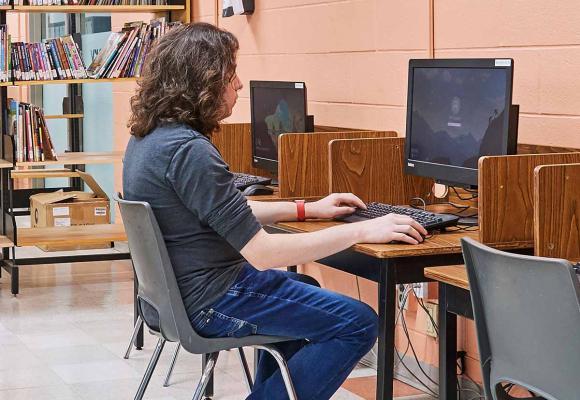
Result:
<point x="51" y="59"/>
<point x="27" y="125"/>
<point x="85" y="2"/>
<point x="125" y="52"/>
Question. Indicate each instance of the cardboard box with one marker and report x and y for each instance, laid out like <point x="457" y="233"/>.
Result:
<point x="61" y="209"/>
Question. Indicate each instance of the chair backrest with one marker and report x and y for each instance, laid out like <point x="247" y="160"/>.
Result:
<point x="157" y="282"/>
<point x="527" y="314"/>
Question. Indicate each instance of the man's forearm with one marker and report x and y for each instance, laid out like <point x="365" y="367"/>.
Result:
<point x="269" y="212"/>
<point x="266" y="251"/>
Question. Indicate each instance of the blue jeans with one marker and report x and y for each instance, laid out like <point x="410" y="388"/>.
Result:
<point x="332" y="331"/>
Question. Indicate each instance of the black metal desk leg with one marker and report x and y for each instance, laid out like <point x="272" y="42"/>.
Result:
<point x="385" y="370"/>
<point x="14" y="280"/>
<point x="209" y="388"/>
<point x="139" y="338"/>
<point x="447" y="348"/>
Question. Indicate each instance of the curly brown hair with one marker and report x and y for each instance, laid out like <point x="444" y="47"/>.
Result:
<point x="184" y="78"/>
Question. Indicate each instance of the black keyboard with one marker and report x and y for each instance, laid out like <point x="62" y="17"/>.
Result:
<point x="429" y="220"/>
<point x="242" y="181"/>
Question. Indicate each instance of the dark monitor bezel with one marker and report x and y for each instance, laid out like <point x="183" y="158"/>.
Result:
<point x="263" y="162"/>
<point x="449" y="174"/>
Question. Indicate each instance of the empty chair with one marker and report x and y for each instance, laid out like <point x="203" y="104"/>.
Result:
<point x="158" y="289"/>
<point x="527" y="314"/>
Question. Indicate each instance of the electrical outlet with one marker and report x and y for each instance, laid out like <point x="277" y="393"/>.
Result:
<point x="421" y="290"/>
<point x="433" y="310"/>
<point x="400" y="296"/>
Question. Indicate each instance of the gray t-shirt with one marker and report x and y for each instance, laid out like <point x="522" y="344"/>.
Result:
<point x="204" y="219"/>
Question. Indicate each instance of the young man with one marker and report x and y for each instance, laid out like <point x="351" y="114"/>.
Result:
<point x="222" y="257"/>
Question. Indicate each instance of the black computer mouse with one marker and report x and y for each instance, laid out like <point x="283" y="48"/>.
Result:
<point x="256" y="190"/>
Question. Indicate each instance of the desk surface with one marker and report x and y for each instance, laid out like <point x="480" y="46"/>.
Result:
<point x="276" y="196"/>
<point x="441" y="243"/>
<point x="455" y="275"/>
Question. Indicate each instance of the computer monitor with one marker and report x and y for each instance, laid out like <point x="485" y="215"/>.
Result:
<point x="457" y="111"/>
<point x="276" y="108"/>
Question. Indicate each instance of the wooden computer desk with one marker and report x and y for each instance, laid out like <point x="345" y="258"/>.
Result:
<point x="454" y="300"/>
<point x="388" y="265"/>
<point x="556" y="190"/>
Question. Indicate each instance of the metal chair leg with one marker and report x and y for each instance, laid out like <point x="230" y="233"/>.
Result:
<point x="246" y="369"/>
<point x="283" y="369"/>
<point x="138" y="325"/>
<point x="207" y="372"/>
<point x="150" y="369"/>
<point x="172" y="365"/>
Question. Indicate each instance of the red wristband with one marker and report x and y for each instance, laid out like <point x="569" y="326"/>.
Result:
<point x="300" y="210"/>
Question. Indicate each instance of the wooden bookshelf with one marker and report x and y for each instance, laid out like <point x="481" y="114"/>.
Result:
<point x="5" y="164"/>
<point x="96" y="9"/>
<point x="64" y="116"/>
<point x="68" y="81"/>
<point x="67" y="235"/>
<point x="82" y="158"/>
<point x="5" y="242"/>
<point x="5" y="8"/>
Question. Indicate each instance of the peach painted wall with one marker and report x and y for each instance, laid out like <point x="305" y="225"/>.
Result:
<point x="353" y="56"/>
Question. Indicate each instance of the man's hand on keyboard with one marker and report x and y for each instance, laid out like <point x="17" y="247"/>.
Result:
<point x="334" y="205"/>
<point x="392" y="227"/>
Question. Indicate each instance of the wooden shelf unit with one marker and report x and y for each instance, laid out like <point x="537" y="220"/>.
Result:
<point x="96" y="9"/>
<point x="65" y="235"/>
<point x="69" y="81"/>
<point x="81" y="158"/>
<point x="64" y="116"/>
<point x="13" y="236"/>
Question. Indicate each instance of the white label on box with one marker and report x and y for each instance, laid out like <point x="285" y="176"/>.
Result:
<point x="501" y="62"/>
<point x="58" y="211"/>
<point x="299" y="85"/>
<point x="62" y="222"/>
<point x="100" y="211"/>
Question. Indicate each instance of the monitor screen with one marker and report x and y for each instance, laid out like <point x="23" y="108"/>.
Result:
<point x="276" y="107"/>
<point x="456" y="114"/>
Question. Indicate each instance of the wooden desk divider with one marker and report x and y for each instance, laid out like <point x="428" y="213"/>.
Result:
<point x="234" y="141"/>
<point x="557" y="211"/>
<point x="506" y="202"/>
<point x="373" y="169"/>
<point x="303" y="160"/>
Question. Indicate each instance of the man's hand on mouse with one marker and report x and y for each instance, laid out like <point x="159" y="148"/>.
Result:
<point x="392" y="227"/>
<point x="334" y="205"/>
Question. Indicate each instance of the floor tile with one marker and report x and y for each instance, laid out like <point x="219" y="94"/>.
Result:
<point x="94" y="371"/>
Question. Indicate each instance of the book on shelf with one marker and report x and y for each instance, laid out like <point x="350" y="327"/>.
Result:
<point x="52" y="59"/>
<point x="5" y="74"/>
<point x="124" y="53"/>
<point x="27" y="125"/>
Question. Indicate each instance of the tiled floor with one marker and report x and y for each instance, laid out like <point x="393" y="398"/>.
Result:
<point x="64" y="336"/>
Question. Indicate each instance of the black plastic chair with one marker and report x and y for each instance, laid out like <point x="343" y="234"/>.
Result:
<point x="527" y="315"/>
<point x="158" y="288"/>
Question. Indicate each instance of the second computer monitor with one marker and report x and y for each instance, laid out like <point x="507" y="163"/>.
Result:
<point x="276" y="108"/>
<point x="457" y="111"/>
